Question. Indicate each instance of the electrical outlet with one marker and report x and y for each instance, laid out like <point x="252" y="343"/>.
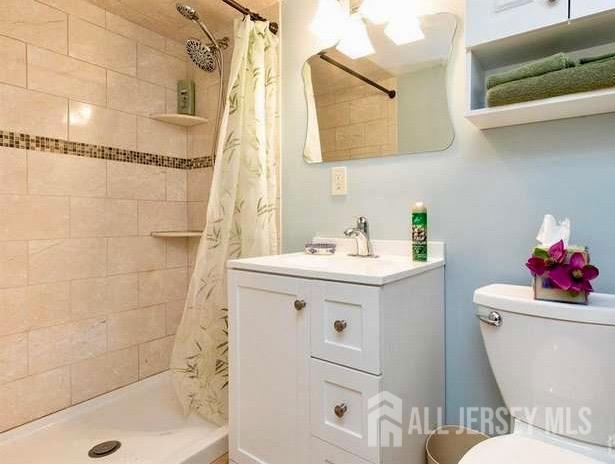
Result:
<point x="339" y="181"/>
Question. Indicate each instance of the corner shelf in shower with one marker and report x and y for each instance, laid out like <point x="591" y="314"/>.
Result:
<point x="180" y="119"/>
<point x="177" y="234"/>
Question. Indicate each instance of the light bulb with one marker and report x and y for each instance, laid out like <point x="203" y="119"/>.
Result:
<point x="404" y="30"/>
<point x="326" y="25"/>
<point x="355" y="42"/>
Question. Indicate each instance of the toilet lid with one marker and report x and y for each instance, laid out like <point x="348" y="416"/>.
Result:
<point x="515" y="449"/>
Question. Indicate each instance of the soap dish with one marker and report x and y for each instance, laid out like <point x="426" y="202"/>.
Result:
<point x="320" y="248"/>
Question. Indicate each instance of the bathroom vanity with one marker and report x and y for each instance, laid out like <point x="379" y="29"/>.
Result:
<point x="315" y="339"/>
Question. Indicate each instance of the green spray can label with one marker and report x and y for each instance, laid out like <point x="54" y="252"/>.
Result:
<point x="419" y="232"/>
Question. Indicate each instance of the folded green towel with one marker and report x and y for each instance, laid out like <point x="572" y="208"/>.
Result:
<point x="591" y="59"/>
<point x="535" y="68"/>
<point x="592" y="76"/>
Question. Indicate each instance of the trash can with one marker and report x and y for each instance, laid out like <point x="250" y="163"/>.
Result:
<point x="449" y="443"/>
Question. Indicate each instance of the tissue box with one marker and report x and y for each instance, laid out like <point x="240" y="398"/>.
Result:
<point x="545" y="290"/>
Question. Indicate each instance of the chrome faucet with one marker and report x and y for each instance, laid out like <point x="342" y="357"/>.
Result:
<point x="365" y="248"/>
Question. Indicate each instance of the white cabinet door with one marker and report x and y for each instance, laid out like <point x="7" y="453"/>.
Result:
<point x="489" y="20"/>
<point x="580" y="8"/>
<point x="269" y="369"/>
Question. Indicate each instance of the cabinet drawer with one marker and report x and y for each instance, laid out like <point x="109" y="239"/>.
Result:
<point x="345" y="325"/>
<point x="324" y="453"/>
<point x="339" y="408"/>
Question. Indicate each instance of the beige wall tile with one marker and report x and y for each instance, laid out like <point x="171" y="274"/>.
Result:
<point x="197" y="215"/>
<point x="104" y="373"/>
<point x="136" y="181"/>
<point x="177" y="252"/>
<point x="25" y="217"/>
<point x="59" y="260"/>
<point x="132" y="95"/>
<point x="350" y="137"/>
<point x="33" y="112"/>
<point x="107" y="295"/>
<point x="96" y="217"/>
<point x="171" y="100"/>
<point x="67" y="77"/>
<point x="177" y="184"/>
<point x="80" y="8"/>
<point x="175" y="311"/>
<point x="13" y="59"/>
<point x="104" y="48"/>
<point x="193" y="248"/>
<point x="199" y="184"/>
<point x="32" y="397"/>
<point x="102" y="126"/>
<point x="161" y="138"/>
<point x="368" y="109"/>
<point x="131" y="328"/>
<point x="162" y="216"/>
<point x="13" y="357"/>
<point x="13" y="264"/>
<point x="376" y="133"/>
<point x="155" y="356"/>
<point x="37" y="306"/>
<point x="60" y="345"/>
<point x="160" y="68"/>
<point x="162" y="286"/>
<point x="133" y="31"/>
<point x="334" y="116"/>
<point x="134" y="254"/>
<point x="35" y="23"/>
<point x="176" y="49"/>
<point x="48" y="304"/>
<point x="53" y="174"/>
<point x="13" y="170"/>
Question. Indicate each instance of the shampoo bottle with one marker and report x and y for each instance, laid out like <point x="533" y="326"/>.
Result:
<point x="419" y="232"/>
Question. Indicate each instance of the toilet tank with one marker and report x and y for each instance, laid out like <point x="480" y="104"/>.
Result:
<point x="554" y="362"/>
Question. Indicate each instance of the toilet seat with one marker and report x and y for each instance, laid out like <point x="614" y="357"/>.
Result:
<point x="517" y="449"/>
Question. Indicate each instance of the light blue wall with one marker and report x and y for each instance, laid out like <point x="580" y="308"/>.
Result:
<point x="486" y="196"/>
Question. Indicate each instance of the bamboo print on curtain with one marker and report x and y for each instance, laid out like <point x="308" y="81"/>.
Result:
<point x="241" y="219"/>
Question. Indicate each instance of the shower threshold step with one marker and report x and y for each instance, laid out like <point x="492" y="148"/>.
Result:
<point x="177" y="233"/>
<point x="180" y="119"/>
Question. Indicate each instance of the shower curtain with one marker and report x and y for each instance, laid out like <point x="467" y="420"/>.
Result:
<point x="241" y="219"/>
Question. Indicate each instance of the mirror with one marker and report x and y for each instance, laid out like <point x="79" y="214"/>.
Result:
<point x="391" y="102"/>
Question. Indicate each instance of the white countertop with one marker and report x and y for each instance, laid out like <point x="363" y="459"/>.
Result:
<point x="393" y="264"/>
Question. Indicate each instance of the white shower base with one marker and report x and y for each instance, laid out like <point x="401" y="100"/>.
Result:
<point x="145" y="417"/>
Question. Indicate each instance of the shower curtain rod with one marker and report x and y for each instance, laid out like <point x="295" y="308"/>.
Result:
<point x="323" y="55"/>
<point x="273" y="27"/>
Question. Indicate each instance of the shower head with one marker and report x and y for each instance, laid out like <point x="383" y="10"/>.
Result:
<point x="201" y="55"/>
<point x="187" y="12"/>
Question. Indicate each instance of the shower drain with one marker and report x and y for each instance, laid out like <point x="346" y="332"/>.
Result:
<point x="104" y="449"/>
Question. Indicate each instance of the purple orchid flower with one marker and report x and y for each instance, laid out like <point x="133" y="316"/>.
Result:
<point x="575" y="276"/>
<point x="556" y="255"/>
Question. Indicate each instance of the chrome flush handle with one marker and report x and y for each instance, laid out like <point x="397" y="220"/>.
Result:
<point x="494" y="319"/>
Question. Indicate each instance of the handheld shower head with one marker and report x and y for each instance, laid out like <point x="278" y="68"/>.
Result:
<point x="187" y="12"/>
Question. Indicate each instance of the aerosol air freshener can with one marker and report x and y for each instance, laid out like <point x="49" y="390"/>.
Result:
<point x="419" y="232"/>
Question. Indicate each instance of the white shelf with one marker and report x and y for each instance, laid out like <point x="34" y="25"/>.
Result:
<point x="180" y="119"/>
<point x="563" y="107"/>
<point x="178" y="234"/>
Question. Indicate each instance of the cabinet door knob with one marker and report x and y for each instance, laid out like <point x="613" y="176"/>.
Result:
<point x="340" y="410"/>
<point x="300" y="305"/>
<point x="340" y="326"/>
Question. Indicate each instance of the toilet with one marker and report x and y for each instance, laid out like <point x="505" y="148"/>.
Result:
<point x="555" y="366"/>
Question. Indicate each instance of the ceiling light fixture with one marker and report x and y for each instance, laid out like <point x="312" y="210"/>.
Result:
<point x="327" y="24"/>
<point x="377" y="11"/>
<point x="355" y="42"/>
<point x="404" y="30"/>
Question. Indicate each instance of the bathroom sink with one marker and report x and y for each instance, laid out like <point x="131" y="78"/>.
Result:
<point x="393" y="263"/>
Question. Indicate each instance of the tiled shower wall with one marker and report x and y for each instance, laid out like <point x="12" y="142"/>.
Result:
<point x="89" y="301"/>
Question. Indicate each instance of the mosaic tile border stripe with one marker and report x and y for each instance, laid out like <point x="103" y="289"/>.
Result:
<point x="50" y="145"/>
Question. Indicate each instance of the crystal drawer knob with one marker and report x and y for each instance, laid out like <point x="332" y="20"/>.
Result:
<point x="340" y="410"/>
<point x="340" y="326"/>
<point x="300" y="305"/>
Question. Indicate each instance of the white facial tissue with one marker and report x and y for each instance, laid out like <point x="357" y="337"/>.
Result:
<point x="551" y="231"/>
